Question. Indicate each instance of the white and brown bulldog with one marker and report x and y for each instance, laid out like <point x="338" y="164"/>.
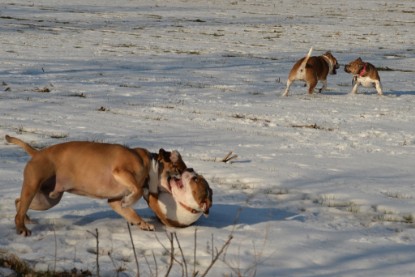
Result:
<point x="187" y="197"/>
<point x="364" y="74"/>
<point x="311" y="70"/>
<point x="99" y="170"/>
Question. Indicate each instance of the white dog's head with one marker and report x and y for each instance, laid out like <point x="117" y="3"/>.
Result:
<point x="192" y="191"/>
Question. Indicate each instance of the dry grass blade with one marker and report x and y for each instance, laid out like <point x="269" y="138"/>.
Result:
<point x="224" y="246"/>
<point x="135" y="253"/>
<point x="96" y="235"/>
<point x="171" y="254"/>
<point x="229" y="157"/>
<point x="312" y="126"/>
<point x="13" y="262"/>
<point x="184" y="270"/>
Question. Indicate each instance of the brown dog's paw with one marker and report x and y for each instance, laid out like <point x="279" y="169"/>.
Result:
<point x="23" y="231"/>
<point x="146" y="226"/>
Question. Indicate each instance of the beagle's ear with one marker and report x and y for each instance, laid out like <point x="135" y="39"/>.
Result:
<point x="359" y="59"/>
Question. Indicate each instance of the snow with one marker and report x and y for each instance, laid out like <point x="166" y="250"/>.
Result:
<point x="206" y="78"/>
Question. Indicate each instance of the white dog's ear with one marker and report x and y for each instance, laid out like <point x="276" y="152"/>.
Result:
<point x="175" y="156"/>
<point x="154" y="177"/>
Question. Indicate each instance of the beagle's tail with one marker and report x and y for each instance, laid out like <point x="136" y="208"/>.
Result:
<point x="303" y="64"/>
<point x="300" y="74"/>
<point x="29" y="149"/>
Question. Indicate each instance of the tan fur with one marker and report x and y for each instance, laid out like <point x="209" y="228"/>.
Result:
<point x="365" y="74"/>
<point x="312" y="69"/>
<point x="99" y="170"/>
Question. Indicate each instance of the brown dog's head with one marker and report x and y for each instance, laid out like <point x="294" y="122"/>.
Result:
<point x="334" y="65"/>
<point x="192" y="191"/>
<point x="354" y="67"/>
<point x="170" y="164"/>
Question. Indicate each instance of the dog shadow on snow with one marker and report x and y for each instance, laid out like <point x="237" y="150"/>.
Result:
<point x="224" y="215"/>
<point x="220" y="216"/>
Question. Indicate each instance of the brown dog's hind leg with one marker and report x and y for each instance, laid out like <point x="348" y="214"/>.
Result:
<point x="36" y="173"/>
<point x="27" y="219"/>
<point x="130" y="215"/>
<point x="41" y="201"/>
<point x="28" y="192"/>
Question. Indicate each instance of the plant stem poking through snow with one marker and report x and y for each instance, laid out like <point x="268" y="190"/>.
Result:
<point x="135" y="253"/>
<point x="96" y="235"/>
<point x="229" y="157"/>
<point x="312" y="126"/>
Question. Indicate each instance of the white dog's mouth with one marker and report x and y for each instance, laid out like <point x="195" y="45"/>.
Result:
<point x="175" y="181"/>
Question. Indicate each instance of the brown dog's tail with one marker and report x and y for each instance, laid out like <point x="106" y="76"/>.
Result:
<point x="29" y="149"/>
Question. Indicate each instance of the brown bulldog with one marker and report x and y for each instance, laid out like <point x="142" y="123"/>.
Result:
<point x="311" y="70"/>
<point x="99" y="170"/>
<point x="364" y="74"/>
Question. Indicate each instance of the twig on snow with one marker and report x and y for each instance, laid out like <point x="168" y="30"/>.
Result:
<point x="224" y="246"/>
<point x="135" y="253"/>
<point x="96" y="235"/>
<point x="229" y="157"/>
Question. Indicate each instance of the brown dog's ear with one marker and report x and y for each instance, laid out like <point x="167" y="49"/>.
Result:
<point x="208" y="202"/>
<point x="359" y="59"/>
<point x="174" y="157"/>
<point x="177" y="160"/>
<point x="163" y="154"/>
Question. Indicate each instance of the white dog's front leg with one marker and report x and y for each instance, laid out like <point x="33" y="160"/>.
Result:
<point x="378" y="87"/>
<point x="354" y="90"/>
<point x="289" y="83"/>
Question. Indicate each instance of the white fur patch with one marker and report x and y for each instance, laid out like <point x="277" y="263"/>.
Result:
<point x="154" y="176"/>
<point x="174" y="211"/>
<point x="174" y="156"/>
<point x="366" y="81"/>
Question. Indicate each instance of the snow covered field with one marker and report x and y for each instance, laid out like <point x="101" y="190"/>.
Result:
<point x="323" y="184"/>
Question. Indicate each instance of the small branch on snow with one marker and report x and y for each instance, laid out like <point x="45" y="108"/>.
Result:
<point x="96" y="235"/>
<point x="229" y="157"/>
<point x="135" y="253"/>
<point x="311" y="126"/>
<point x="218" y="253"/>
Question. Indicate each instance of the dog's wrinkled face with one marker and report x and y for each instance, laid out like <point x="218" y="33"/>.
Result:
<point x="354" y="67"/>
<point x="170" y="164"/>
<point x="192" y="190"/>
<point x="333" y="61"/>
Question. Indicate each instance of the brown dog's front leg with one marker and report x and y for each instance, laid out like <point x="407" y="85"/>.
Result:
<point x="134" y="186"/>
<point x="130" y="215"/>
